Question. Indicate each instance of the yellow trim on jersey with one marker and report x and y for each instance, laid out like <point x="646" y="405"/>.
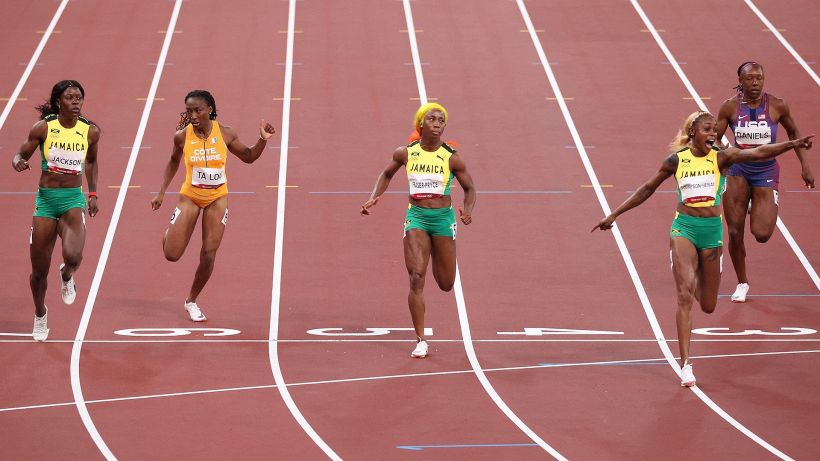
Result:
<point x="428" y="173"/>
<point x="64" y="149"/>
<point x="700" y="183"/>
<point x="205" y="160"/>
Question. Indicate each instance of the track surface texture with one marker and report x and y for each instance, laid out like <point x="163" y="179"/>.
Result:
<point x="555" y="342"/>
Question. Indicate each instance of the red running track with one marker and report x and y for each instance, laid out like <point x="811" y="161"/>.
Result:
<point x="527" y="261"/>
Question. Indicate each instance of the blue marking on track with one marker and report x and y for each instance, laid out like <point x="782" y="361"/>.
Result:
<point x="475" y="445"/>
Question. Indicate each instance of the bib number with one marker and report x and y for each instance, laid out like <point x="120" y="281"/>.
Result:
<point x="753" y="134"/>
<point x="207" y="178"/>
<point x="426" y="185"/>
<point x="697" y="189"/>
<point x="65" y="161"/>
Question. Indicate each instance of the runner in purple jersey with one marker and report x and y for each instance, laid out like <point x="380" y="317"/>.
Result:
<point x="752" y="187"/>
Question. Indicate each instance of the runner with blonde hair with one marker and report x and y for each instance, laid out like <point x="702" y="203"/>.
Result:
<point x="696" y="235"/>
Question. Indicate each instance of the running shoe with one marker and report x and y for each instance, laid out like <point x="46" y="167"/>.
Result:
<point x="194" y="312"/>
<point x="67" y="289"/>
<point x="739" y="296"/>
<point x="420" y="351"/>
<point x="687" y="376"/>
<point x="40" y="332"/>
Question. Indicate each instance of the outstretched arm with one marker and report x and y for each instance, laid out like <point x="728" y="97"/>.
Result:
<point x="724" y="118"/>
<point x="36" y="135"/>
<point x="791" y="129"/>
<point x="399" y="159"/>
<point x="170" y="169"/>
<point x="644" y="192"/>
<point x="245" y="153"/>
<point x="459" y="169"/>
<point x="734" y="155"/>
<point x="91" y="169"/>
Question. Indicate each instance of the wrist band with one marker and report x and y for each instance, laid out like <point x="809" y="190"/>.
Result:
<point x="92" y="194"/>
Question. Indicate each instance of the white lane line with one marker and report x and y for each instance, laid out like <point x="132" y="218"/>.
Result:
<point x="384" y="377"/>
<point x="273" y="345"/>
<point x="297" y="341"/>
<point x="76" y="387"/>
<point x="780" y="224"/>
<point x="708" y="401"/>
<point x="31" y="63"/>
<point x="457" y="288"/>
<point x="414" y="51"/>
<point x="576" y="137"/>
<point x="783" y="41"/>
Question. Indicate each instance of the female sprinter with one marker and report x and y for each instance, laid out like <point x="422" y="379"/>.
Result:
<point x="204" y="144"/>
<point x="752" y="187"/>
<point x="696" y="236"/>
<point x="68" y="146"/>
<point x="430" y="223"/>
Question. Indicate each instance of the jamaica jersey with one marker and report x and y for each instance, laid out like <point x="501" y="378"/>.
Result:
<point x="64" y="149"/>
<point x="428" y="173"/>
<point x="700" y="183"/>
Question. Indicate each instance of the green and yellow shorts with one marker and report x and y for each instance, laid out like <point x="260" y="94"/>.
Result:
<point x="702" y="232"/>
<point x="434" y="221"/>
<point x="53" y="203"/>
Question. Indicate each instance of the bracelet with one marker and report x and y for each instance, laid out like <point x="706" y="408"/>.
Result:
<point x="92" y="194"/>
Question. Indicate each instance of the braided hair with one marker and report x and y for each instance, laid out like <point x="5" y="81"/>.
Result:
<point x="52" y="106"/>
<point x="184" y="119"/>
<point x="739" y="87"/>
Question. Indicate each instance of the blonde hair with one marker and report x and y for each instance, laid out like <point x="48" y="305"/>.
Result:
<point x="683" y="139"/>
<point x="419" y="118"/>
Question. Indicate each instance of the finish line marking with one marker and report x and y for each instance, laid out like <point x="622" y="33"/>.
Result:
<point x="377" y="378"/>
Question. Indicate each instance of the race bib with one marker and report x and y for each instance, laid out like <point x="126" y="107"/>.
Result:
<point x="426" y="185"/>
<point x="697" y="189"/>
<point x="65" y="161"/>
<point x="753" y="134"/>
<point x="207" y="178"/>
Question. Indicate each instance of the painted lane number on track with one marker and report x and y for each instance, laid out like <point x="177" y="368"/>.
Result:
<point x="168" y="332"/>
<point x="558" y="331"/>
<point x="784" y="331"/>
<point x="372" y="331"/>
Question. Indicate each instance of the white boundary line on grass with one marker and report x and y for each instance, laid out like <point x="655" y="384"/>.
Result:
<point x="459" y="293"/>
<point x="276" y="289"/>
<point x="34" y="57"/>
<point x="76" y="387"/>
